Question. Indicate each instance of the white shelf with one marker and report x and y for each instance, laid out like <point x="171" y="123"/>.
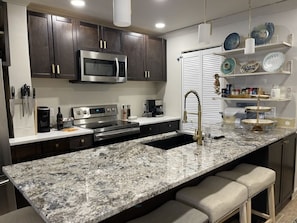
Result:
<point x="271" y="46"/>
<point x="254" y="74"/>
<point x="252" y="99"/>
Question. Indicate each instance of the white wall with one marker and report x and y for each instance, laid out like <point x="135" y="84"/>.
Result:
<point x="186" y="39"/>
<point x="19" y="71"/>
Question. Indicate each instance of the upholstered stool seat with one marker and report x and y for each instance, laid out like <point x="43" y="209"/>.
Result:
<point x="217" y="197"/>
<point x="22" y="215"/>
<point x="173" y="212"/>
<point x="256" y="179"/>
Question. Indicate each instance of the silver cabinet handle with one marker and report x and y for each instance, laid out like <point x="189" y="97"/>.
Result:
<point x="53" y="68"/>
<point x="105" y="44"/>
<point x="101" y="44"/>
<point x="58" y="69"/>
<point x="148" y="74"/>
<point x="117" y="66"/>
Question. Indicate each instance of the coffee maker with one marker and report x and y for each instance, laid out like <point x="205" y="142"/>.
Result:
<point x="153" y="108"/>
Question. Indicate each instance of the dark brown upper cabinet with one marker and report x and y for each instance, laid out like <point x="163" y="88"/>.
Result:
<point x="98" y="38"/>
<point x="52" y="45"/>
<point x="4" y="43"/>
<point x="146" y="57"/>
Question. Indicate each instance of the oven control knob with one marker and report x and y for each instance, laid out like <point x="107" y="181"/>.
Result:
<point x="108" y="109"/>
<point x="85" y="112"/>
<point x="78" y="113"/>
<point x="113" y="109"/>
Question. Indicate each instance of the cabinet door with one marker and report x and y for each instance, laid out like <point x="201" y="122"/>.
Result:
<point x="169" y="126"/>
<point x="40" y="44"/>
<point x="111" y="40"/>
<point x="4" y="43"/>
<point x="27" y="152"/>
<point x="156" y="59"/>
<point x="133" y="47"/>
<point x="275" y="163"/>
<point x="87" y="36"/>
<point x="64" y="45"/>
<point x="288" y="167"/>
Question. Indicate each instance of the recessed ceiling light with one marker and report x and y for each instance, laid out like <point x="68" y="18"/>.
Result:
<point x="160" y="25"/>
<point x="78" y="3"/>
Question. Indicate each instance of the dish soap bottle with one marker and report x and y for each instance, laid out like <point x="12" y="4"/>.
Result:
<point x="59" y="119"/>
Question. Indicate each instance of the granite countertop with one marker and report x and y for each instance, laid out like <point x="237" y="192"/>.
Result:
<point x="94" y="184"/>
<point x="54" y="134"/>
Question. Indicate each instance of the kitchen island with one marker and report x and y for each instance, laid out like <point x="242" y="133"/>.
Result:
<point x="95" y="184"/>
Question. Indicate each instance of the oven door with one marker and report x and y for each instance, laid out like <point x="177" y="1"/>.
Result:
<point x="102" y="67"/>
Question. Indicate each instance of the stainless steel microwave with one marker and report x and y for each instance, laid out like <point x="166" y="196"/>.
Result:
<point x="102" y="67"/>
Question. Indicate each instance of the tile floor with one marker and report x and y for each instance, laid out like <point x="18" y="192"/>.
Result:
<point x="289" y="213"/>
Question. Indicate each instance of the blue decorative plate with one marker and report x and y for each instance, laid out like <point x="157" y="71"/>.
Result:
<point x="232" y="41"/>
<point x="228" y="66"/>
<point x="263" y="33"/>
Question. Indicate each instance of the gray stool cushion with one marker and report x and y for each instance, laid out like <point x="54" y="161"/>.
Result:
<point x="256" y="178"/>
<point x="173" y="212"/>
<point x="22" y="215"/>
<point x="214" y="196"/>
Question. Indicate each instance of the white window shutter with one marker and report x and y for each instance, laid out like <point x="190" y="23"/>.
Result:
<point x="198" y="69"/>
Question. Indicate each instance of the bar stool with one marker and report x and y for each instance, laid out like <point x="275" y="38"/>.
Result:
<point x="23" y="215"/>
<point x="256" y="179"/>
<point x="173" y="212"/>
<point x="217" y="197"/>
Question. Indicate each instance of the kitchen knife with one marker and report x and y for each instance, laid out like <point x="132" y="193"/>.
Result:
<point x="33" y="98"/>
<point x="11" y="101"/>
<point x="23" y="93"/>
<point x="30" y="100"/>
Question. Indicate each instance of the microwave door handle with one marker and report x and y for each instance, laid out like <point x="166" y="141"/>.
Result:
<point x="117" y="66"/>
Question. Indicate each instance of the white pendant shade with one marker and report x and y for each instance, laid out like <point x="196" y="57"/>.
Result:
<point x="249" y="46"/>
<point x="204" y="33"/>
<point x="122" y="13"/>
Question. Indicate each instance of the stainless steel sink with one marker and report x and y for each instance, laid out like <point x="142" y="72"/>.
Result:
<point x="171" y="142"/>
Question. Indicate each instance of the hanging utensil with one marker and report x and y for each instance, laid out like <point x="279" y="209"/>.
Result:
<point x="30" y="100"/>
<point x="11" y="101"/>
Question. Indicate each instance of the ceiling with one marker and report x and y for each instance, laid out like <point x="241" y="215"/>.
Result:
<point x="176" y="14"/>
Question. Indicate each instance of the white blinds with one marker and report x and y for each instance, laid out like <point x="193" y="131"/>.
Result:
<point x="198" y="69"/>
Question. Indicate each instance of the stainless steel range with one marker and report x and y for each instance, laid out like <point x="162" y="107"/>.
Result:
<point x="103" y="120"/>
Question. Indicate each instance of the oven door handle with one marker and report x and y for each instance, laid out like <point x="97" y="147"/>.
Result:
<point x="117" y="67"/>
<point x="3" y="180"/>
<point x="116" y="133"/>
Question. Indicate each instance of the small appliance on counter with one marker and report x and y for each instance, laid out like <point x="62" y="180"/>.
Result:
<point x="43" y="119"/>
<point x="153" y="108"/>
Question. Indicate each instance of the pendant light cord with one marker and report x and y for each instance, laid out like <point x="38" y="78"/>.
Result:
<point x="250" y="17"/>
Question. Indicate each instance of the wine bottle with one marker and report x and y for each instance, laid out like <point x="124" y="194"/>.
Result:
<point x="59" y="119"/>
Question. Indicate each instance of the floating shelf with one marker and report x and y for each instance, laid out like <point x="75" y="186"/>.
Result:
<point x="258" y="48"/>
<point x="252" y="99"/>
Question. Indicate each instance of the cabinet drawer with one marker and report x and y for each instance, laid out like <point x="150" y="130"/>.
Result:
<point x="81" y="142"/>
<point x="169" y="126"/>
<point x="148" y="130"/>
<point x="55" y="147"/>
<point x="27" y="152"/>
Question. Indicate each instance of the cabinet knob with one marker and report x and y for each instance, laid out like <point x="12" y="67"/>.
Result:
<point x="82" y="141"/>
<point x="169" y="126"/>
<point x="57" y="145"/>
<point x="286" y="142"/>
<point x="150" y="128"/>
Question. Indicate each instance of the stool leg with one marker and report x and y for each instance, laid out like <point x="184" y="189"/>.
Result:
<point x="249" y="210"/>
<point x="243" y="213"/>
<point x="271" y="203"/>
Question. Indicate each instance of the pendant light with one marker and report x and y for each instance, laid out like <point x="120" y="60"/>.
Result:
<point x="122" y="13"/>
<point x="204" y="29"/>
<point x="249" y="42"/>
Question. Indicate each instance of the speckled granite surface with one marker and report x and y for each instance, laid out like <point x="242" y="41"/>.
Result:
<point x="94" y="184"/>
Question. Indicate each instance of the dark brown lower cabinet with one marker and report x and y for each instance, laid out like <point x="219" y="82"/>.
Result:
<point x="281" y="158"/>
